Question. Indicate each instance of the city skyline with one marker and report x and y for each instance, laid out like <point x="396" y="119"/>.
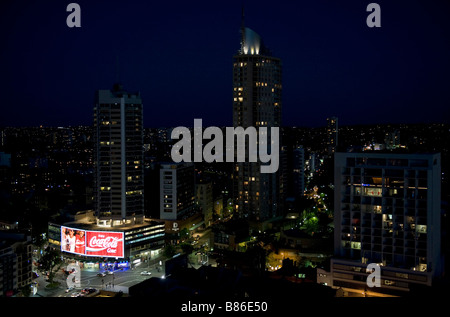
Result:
<point x="97" y="199"/>
<point x="334" y="64"/>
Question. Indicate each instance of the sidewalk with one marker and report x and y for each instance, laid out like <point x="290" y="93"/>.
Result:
<point x="116" y="289"/>
<point x="43" y="291"/>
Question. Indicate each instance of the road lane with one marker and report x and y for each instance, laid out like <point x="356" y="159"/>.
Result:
<point x="89" y="279"/>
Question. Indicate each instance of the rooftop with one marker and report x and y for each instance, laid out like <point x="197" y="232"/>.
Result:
<point x="94" y="227"/>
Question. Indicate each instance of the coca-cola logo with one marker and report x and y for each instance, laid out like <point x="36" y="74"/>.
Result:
<point x="101" y="243"/>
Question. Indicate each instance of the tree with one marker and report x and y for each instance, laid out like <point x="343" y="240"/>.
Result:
<point x="184" y="234"/>
<point x="187" y="248"/>
<point x="50" y="259"/>
<point x="169" y="251"/>
<point x="311" y="222"/>
<point x="26" y="290"/>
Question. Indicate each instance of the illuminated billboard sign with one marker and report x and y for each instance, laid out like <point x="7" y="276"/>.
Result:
<point x="104" y="243"/>
<point x="92" y="243"/>
<point x="73" y="240"/>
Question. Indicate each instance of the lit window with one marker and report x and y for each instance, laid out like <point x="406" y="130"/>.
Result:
<point x="421" y="228"/>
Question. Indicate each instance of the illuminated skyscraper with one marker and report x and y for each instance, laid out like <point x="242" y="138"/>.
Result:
<point x="119" y="167"/>
<point x="256" y="103"/>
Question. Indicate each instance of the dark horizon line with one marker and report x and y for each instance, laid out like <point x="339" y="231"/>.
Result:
<point x="223" y="126"/>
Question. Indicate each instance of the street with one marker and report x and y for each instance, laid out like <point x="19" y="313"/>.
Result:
<point x="121" y="280"/>
<point x="118" y="281"/>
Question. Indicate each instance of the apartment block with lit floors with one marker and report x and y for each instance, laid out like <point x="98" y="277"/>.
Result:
<point x="118" y="215"/>
<point x="256" y="103"/>
<point x="177" y="190"/>
<point x="387" y="211"/>
<point x="119" y="167"/>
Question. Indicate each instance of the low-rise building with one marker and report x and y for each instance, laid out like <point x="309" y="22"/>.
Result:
<point x="128" y="243"/>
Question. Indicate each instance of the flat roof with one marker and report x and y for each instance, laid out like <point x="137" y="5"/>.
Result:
<point x="125" y="227"/>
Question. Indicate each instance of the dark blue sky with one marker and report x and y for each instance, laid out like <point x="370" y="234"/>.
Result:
<point x="178" y="54"/>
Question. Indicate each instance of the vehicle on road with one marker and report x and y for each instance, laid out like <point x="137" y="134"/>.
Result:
<point x="88" y="290"/>
<point x="101" y="274"/>
<point x="146" y="273"/>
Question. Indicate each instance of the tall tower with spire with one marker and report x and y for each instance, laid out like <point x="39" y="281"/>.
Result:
<point x="256" y="102"/>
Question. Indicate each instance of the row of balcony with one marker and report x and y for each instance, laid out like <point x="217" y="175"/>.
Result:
<point x="405" y="202"/>
<point x="388" y="250"/>
<point x="410" y="238"/>
<point x="387" y="172"/>
<point x="410" y="215"/>
<point x="409" y="224"/>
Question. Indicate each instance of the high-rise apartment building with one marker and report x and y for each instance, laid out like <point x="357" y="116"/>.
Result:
<point x="204" y="198"/>
<point x="387" y="211"/>
<point x="256" y="103"/>
<point x="332" y="134"/>
<point x="119" y="166"/>
<point x="177" y="190"/>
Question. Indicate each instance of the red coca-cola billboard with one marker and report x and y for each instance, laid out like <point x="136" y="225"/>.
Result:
<point x="104" y="244"/>
<point x="92" y="243"/>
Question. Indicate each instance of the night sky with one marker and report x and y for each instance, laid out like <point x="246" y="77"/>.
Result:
<point x="178" y="54"/>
